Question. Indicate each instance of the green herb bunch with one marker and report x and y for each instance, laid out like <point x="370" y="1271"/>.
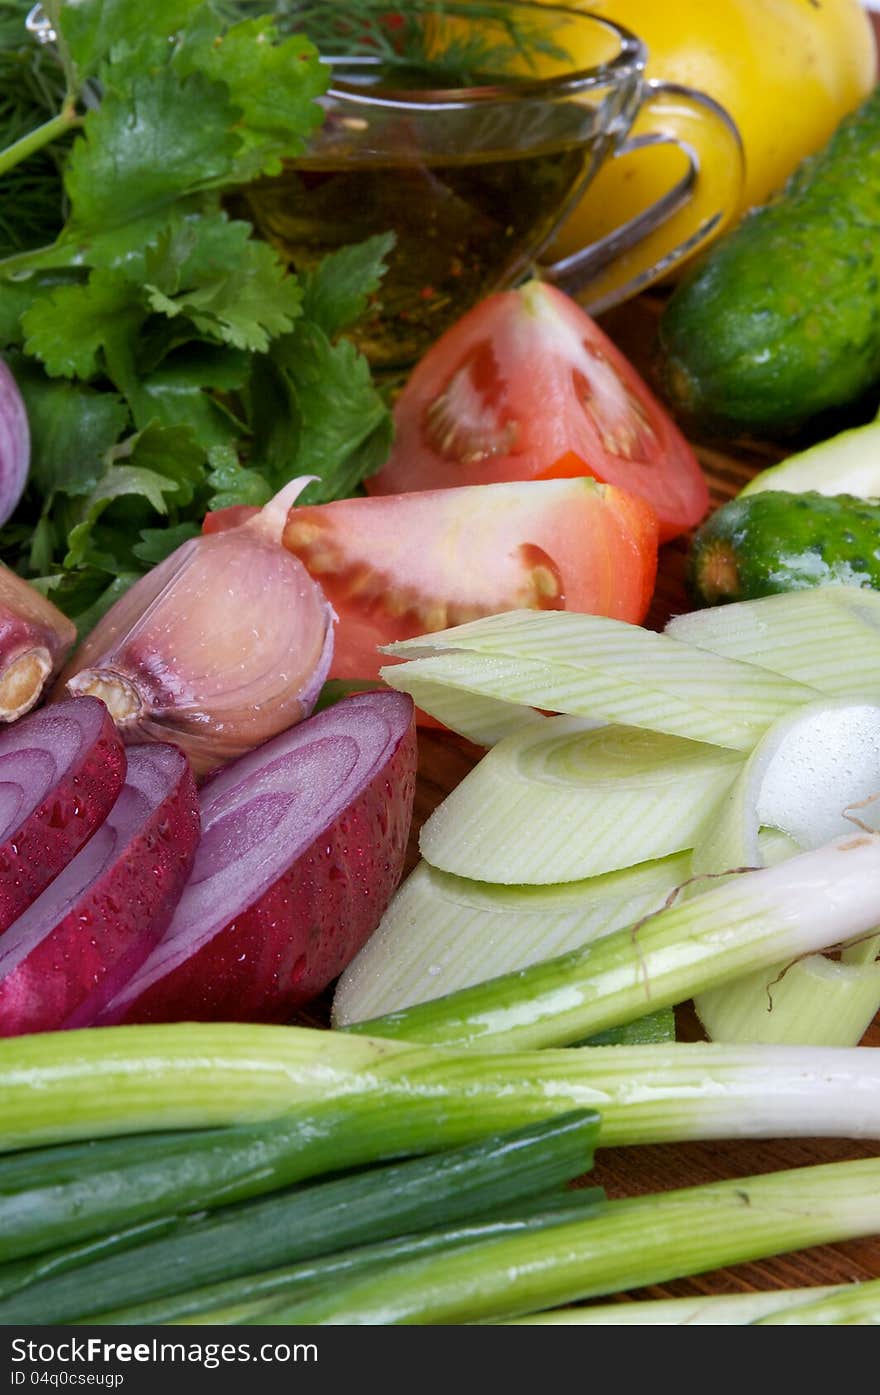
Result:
<point x="170" y="362"/>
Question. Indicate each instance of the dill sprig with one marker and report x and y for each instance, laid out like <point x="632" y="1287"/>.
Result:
<point x="440" y="52"/>
<point x="32" y="88"/>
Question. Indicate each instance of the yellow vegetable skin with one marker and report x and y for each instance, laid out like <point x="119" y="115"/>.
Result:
<point x="787" y="71"/>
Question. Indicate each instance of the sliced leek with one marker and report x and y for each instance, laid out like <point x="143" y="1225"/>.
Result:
<point x="560" y="803"/>
<point x="806" y="903"/>
<point x="802" y="778"/>
<point x="590" y="666"/>
<point x="441" y="933"/>
<point x="483" y="720"/>
<point x="827" y="636"/>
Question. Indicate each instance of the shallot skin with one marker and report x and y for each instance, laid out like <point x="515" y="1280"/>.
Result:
<point x="282" y="950"/>
<point x="35" y="639"/>
<point x="62" y="803"/>
<point x="220" y="647"/>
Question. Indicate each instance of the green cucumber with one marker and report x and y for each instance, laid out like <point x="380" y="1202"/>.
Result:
<point x="770" y="542"/>
<point x="782" y="319"/>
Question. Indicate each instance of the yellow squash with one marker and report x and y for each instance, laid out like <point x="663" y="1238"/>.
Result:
<point x="787" y="71"/>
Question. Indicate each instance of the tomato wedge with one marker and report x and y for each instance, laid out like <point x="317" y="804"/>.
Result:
<point x="526" y="386"/>
<point x="412" y="564"/>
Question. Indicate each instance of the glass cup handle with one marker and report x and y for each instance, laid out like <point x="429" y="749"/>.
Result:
<point x="649" y="245"/>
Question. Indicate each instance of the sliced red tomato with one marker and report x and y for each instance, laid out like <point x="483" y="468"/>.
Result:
<point x="411" y="564"/>
<point x="526" y="386"/>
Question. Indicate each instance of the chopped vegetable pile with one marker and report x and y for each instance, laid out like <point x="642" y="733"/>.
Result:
<point x="200" y="835"/>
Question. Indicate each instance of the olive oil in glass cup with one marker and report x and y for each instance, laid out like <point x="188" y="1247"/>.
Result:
<point x="468" y="131"/>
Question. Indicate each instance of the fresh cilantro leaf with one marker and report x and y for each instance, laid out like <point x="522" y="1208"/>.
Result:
<point x="233" y="484"/>
<point x="91" y="29"/>
<point x="69" y="328"/>
<point x="150" y="142"/>
<point x="16" y="297"/>
<point x="182" y="393"/>
<point x="206" y="365"/>
<point x="87" y="618"/>
<point x="247" y="308"/>
<point x="170" y="452"/>
<point x="338" y="405"/>
<point x="369" y="457"/>
<point x="85" y="595"/>
<point x="121" y="247"/>
<point x="130" y="479"/>
<point x="124" y="501"/>
<point x="274" y="419"/>
<point x="158" y="543"/>
<point x="147" y="474"/>
<point x="163" y="399"/>
<point x="72" y="429"/>
<point x="167" y="453"/>
<point x="209" y="382"/>
<point x="196" y="250"/>
<point x="274" y="83"/>
<point x="336" y="293"/>
<point x="43" y="544"/>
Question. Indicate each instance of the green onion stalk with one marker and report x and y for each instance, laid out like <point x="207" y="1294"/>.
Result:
<point x="256" y="1108"/>
<point x="700" y="1310"/>
<point x="232" y="1300"/>
<point x="501" y="1174"/>
<point x="626" y="1245"/>
<point x="850" y="1305"/>
<point x="58" y="1087"/>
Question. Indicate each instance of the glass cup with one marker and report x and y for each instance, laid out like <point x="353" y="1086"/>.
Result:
<point x="470" y="130"/>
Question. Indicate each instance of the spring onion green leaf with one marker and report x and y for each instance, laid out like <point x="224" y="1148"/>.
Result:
<point x="360" y="1208"/>
<point x="631" y="1243"/>
<point x="236" y="1299"/>
<point x="58" y="1087"/>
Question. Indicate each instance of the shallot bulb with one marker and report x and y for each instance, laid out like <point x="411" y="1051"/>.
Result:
<point x="223" y="645"/>
<point x="35" y="639"/>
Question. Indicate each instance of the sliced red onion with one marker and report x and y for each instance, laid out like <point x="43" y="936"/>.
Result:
<point x="15" y="444"/>
<point x="223" y="645"/>
<point x="75" y="946"/>
<point x="35" y="639"/>
<point x="61" y="770"/>
<point x="303" y="844"/>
